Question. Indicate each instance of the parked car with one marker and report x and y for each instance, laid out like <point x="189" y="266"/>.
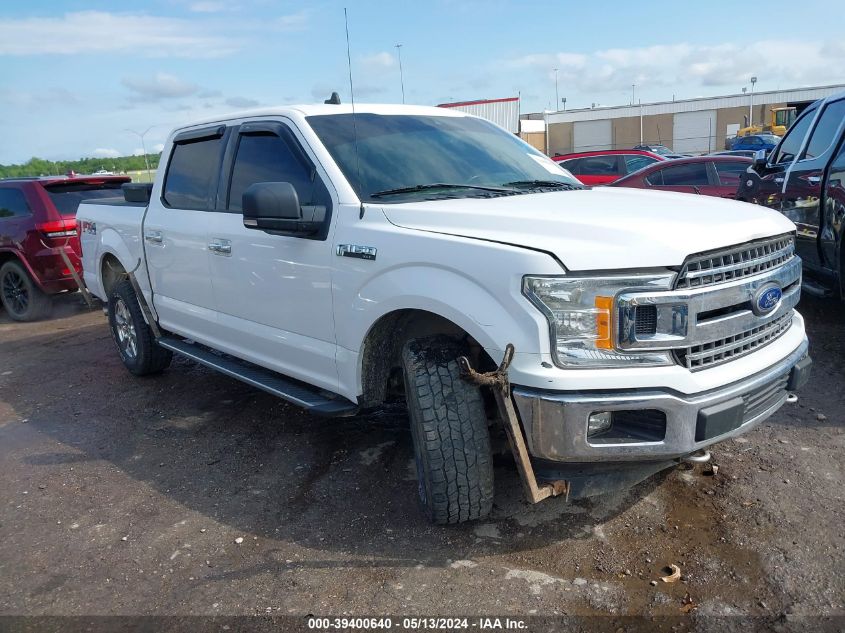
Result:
<point x="338" y="258"/>
<point x="756" y="142"/>
<point x="37" y="222"/>
<point x="604" y="166"/>
<point x="707" y="175"/>
<point x="660" y="150"/>
<point x="804" y="178"/>
<point x="747" y="153"/>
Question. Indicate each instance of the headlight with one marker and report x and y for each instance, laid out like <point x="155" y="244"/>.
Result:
<point x="582" y="317"/>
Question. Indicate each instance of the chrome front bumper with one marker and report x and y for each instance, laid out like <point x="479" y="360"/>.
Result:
<point x="555" y="423"/>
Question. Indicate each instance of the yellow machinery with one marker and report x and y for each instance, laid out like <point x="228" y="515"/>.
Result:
<point x="782" y="118"/>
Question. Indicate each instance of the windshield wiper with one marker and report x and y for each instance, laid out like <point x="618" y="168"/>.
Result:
<point x="438" y="185"/>
<point x="539" y="184"/>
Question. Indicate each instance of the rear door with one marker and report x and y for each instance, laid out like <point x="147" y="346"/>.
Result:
<point x="175" y="234"/>
<point x="833" y="213"/>
<point x="802" y="191"/>
<point x="273" y="293"/>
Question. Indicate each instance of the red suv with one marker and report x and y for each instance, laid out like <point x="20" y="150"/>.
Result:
<point x="604" y="166"/>
<point x="37" y="223"/>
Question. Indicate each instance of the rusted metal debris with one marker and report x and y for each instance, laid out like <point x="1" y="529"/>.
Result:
<point x="498" y="381"/>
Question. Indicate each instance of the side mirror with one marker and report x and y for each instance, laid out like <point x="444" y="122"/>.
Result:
<point x="760" y="160"/>
<point x="274" y="207"/>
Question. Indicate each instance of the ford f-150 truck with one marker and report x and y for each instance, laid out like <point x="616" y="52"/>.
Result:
<point x="338" y="257"/>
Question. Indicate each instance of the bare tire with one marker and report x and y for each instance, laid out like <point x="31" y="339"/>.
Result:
<point x="135" y="341"/>
<point x="449" y="432"/>
<point x="21" y="296"/>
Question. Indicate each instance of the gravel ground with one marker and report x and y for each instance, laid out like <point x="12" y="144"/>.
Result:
<point x="191" y="493"/>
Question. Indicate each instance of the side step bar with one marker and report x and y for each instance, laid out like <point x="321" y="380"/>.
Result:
<point x="815" y="289"/>
<point x="285" y="388"/>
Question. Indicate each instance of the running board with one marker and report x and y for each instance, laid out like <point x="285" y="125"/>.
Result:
<point x="815" y="289"/>
<point x="294" y="392"/>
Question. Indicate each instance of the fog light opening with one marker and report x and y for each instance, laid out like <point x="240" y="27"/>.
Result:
<point x="599" y="422"/>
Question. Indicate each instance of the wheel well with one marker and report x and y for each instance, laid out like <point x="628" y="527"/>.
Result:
<point x="7" y="256"/>
<point x="382" y="348"/>
<point x="111" y="271"/>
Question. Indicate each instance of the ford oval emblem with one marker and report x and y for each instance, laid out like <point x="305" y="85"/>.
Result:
<point x="766" y="299"/>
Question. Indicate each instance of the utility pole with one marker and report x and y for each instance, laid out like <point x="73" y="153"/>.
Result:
<point x="751" y="102"/>
<point x="557" y="96"/>
<point x="141" y="135"/>
<point x="401" y="75"/>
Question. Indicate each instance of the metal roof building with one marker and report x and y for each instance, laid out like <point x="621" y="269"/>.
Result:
<point x="502" y="112"/>
<point x="696" y="126"/>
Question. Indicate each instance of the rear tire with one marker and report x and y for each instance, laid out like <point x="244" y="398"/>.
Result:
<point x="21" y="296"/>
<point x="134" y="339"/>
<point x="449" y="432"/>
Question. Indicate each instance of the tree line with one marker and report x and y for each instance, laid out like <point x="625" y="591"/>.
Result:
<point x="41" y="167"/>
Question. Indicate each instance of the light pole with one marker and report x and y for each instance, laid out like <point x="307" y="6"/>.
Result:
<point x="633" y="89"/>
<point x="141" y="135"/>
<point x="751" y="102"/>
<point x="557" y="96"/>
<point x="401" y="75"/>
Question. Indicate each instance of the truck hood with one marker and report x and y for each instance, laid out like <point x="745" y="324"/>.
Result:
<point x="598" y="229"/>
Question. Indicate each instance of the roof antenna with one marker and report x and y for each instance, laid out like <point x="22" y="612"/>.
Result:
<point x="352" y="99"/>
<point x="333" y="100"/>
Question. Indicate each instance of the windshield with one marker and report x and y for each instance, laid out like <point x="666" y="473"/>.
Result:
<point x="660" y="149"/>
<point x="403" y="155"/>
<point x="66" y="198"/>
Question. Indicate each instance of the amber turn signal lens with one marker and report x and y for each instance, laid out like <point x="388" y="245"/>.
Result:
<point x="603" y="308"/>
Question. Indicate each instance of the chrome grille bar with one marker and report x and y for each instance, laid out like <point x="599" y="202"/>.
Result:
<point x="732" y="347"/>
<point x="732" y="263"/>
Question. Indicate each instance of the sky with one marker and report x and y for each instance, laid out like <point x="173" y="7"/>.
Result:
<point x="87" y="78"/>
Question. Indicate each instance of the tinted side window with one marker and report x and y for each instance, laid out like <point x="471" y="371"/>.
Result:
<point x="191" y="172"/>
<point x="793" y="139"/>
<point x="692" y="174"/>
<point x="267" y="158"/>
<point x="825" y="133"/>
<point x="730" y="172"/>
<point x="572" y="165"/>
<point x="598" y="166"/>
<point x="12" y="203"/>
<point x="635" y="163"/>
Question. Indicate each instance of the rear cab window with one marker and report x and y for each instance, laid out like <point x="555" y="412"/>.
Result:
<point x="192" y="170"/>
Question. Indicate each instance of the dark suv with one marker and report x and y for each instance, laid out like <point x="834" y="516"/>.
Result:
<point x="37" y="223"/>
<point x="804" y="178"/>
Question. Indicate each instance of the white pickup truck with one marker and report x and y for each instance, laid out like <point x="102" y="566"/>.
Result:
<point x="338" y="258"/>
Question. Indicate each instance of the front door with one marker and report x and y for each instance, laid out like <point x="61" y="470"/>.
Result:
<point x="175" y="234"/>
<point x="273" y="292"/>
<point x="802" y="192"/>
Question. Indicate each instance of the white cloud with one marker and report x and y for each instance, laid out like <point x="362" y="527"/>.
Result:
<point x="242" y="102"/>
<point x="158" y="148"/>
<point x="161" y="86"/>
<point x="378" y="61"/>
<point x="207" y="7"/>
<point x="292" y="22"/>
<point x="724" y="66"/>
<point x="112" y="33"/>
<point x="105" y="152"/>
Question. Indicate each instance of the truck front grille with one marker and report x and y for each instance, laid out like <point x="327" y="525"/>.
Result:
<point x="720" y="351"/>
<point x="716" y="267"/>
